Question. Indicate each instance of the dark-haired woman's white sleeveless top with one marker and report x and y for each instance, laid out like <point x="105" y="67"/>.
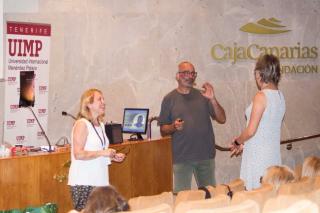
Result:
<point x="263" y="149"/>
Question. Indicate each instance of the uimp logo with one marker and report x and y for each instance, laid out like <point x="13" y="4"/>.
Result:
<point x="265" y="26"/>
<point x="42" y="89"/>
<point x="30" y="121"/>
<point x="42" y="111"/>
<point x="11" y="124"/>
<point x="20" y="138"/>
<point x="12" y="79"/>
<point x="14" y="107"/>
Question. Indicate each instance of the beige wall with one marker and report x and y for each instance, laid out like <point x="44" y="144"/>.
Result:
<point x="130" y="50"/>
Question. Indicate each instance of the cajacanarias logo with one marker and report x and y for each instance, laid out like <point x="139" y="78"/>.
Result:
<point x="235" y="52"/>
<point x="265" y="26"/>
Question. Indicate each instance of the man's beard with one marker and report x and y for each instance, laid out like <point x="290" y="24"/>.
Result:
<point x="188" y="83"/>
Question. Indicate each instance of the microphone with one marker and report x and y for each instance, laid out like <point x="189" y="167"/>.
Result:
<point x="44" y="133"/>
<point x="154" y="118"/>
<point x="64" y="113"/>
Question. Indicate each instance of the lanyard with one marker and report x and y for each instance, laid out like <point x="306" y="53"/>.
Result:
<point x="103" y="142"/>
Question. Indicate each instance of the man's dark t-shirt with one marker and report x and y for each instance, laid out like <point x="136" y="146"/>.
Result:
<point x="195" y="142"/>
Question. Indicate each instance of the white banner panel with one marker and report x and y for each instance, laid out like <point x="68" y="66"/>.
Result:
<point x="1" y="40"/>
<point x="26" y="71"/>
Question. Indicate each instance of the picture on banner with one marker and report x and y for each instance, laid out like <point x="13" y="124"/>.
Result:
<point x="27" y="96"/>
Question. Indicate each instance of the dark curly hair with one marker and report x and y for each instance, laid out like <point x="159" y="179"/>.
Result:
<point x="268" y="67"/>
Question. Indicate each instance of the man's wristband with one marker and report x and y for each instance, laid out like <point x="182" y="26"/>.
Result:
<point x="236" y="143"/>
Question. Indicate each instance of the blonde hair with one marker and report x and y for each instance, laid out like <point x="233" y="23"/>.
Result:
<point x="88" y="98"/>
<point x="311" y="167"/>
<point x="278" y="175"/>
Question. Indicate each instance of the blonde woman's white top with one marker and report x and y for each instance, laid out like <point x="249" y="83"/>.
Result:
<point x="92" y="172"/>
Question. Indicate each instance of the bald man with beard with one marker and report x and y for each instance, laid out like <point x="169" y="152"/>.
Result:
<point x="186" y="115"/>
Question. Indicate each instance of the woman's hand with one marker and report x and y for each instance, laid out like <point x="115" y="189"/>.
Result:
<point x="108" y="153"/>
<point x="236" y="149"/>
<point x="119" y="157"/>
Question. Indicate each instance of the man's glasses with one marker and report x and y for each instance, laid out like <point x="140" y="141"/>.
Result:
<point x="188" y="73"/>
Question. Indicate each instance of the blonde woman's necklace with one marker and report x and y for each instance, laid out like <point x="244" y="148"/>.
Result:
<point x="103" y="142"/>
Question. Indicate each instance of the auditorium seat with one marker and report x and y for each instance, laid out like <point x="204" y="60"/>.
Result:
<point x="212" y="190"/>
<point x="260" y="195"/>
<point x="189" y="195"/>
<point x="234" y="186"/>
<point x="314" y="196"/>
<point x="161" y="208"/>
<point x="301" y="206"/>
<point x="304" y="185"/>
<point x="215" y="202"/>
<point x="247" y="206"/>
<point x="142" y="202"/>
<point x="281" y="202"/>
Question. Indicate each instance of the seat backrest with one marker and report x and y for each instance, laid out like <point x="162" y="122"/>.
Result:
<point x="247" y="206"/>
<point x="301" y="206"/>
<point x="217" y="201"/>
<point x="150" y="201"/>
<point x="189" y="195"/>
<point x="314" y="196"/>
<point x="212" y="190"/>
<point x="161" y="208"/>
<point x="281" y="202"/>
<point x="230" y="188"/>
<point x="260" y="195"/>
<point x="304" y="185"/>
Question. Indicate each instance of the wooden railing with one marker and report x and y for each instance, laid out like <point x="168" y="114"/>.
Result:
<point x="288" y="142"/>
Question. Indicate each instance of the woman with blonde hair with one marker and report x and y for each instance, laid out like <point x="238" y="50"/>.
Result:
<point x="90" y="155"/>
<point x="311" y="167"/>
<point x="278" y="175"/>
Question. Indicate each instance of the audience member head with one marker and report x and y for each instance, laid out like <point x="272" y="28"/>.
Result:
<point x="278" y="175"/>
<point x="267" y="70"/>
<point x="88" y="98"/>
<point x="311" y="167"/>
<point x="105" y="199"/>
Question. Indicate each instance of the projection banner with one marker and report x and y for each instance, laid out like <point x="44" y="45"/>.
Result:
<point x="27" y="82"/>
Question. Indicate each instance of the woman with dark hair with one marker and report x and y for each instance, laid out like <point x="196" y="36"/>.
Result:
<point x="104" y="199"/>
<point x="260" y="140"/>
<point x="90" y="155"/>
